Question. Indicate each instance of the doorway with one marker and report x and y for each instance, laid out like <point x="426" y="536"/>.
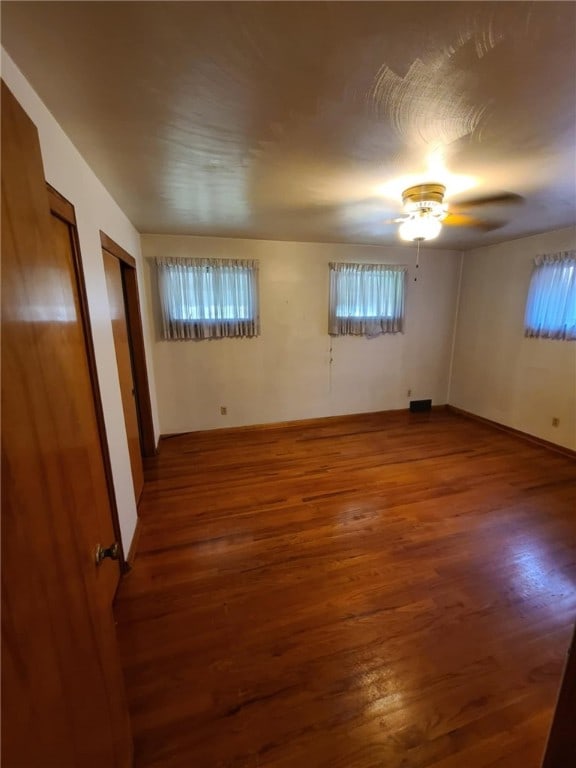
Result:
<point x="122" y="286"/>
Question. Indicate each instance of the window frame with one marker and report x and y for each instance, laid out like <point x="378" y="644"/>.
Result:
<point x="550" y="309"/>
<point x="368" y="320"/>
<point x="209" y="298"/>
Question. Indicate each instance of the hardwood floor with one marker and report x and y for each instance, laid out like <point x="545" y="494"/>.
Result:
<point x="386" y="590"/>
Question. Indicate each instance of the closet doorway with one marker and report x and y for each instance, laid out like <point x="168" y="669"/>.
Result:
<point x="122" y="286"/>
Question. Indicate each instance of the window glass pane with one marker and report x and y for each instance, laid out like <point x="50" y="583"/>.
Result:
<point x="366" y="299"/>
<point x="208" y="298"/>
<point x="551" y="303"/>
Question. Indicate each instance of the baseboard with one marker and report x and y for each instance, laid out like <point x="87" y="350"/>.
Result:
<point x="133" y="546"/>
<point x="300" y="423"/>
<point x="515" y="432"/>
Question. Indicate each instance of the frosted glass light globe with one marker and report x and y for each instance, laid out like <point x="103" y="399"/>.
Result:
<point x="420" y="228"/>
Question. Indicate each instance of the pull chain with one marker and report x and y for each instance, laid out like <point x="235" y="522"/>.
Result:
<point x="417" y="258"/>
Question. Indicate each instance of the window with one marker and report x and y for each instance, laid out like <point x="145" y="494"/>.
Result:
<point x="551" y="304"/>
<point x="208" y="298"/>
<point x="366" y="299"/>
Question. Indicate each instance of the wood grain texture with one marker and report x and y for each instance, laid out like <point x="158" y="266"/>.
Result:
<point x="60" y="206"/>
<point x="64" y="213"/>
<point x="116" y="250"/>
<point x="561" y="746"/>
<point x="63" y="700"/>
<point x="136" y="335"/>
<point x="320" y="421"/>
<point x="136" y="340"/>
<point x="115" y="288"/>
<point x="517" y="432"/>
<point x="390" y="590"/>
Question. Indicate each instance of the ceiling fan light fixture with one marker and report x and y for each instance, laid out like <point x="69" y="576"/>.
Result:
<point x="420" y="227"/>
<point x="431" y="207"/>
<point x="424" y="204"/>
<point x="424" y="197"/>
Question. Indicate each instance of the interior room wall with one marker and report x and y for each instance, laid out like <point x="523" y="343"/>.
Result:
<point x="497" y="372"/>
<point x="286" y="373"/>
<point x="68" y="173"/>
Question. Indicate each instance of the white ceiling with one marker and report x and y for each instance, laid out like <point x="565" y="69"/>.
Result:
<point x="304" y="121"/>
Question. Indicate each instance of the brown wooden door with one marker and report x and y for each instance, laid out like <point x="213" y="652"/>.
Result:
<point x="62" y="687"/>
<point x="561" y="746"/>
<point x="115" y="287"/>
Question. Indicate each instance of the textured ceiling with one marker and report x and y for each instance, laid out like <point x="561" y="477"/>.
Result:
<point x="304" y="121"/>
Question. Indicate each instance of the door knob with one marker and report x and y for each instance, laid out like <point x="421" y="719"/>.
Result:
<point x="113" y="552"/>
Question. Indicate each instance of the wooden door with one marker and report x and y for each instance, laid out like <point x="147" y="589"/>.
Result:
<point x="66" y="238"/>
<point x="561" y="746"/>
<point x="115" y="287"/>
<point x="62" y="687"/>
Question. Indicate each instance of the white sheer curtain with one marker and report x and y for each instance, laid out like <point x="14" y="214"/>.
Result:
<point x="551" y="304"/>
<point x="208" y="298"/>
<point x="366" y="299"/>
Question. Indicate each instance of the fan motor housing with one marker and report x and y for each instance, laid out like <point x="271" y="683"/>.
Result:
<point x="424" y="197"/>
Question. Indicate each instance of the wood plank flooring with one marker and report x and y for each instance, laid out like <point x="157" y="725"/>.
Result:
<point x="393" y="590"/>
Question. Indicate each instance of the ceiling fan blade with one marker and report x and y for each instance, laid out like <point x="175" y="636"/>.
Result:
<point x="471" y="222"/>
<point x="504" y="198"/>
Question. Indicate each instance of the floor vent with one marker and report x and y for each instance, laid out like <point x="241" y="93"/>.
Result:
<point x="420" y="405"/>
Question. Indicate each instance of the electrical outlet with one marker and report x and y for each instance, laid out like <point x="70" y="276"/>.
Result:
<point x="409" y="393"/>
<point x="555" y="421"/>
<point x="223" y="410"/>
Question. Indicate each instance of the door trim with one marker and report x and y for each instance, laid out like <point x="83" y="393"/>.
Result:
<point x="561" y="743"/>
<point x="64" y="210"/>
<point x="116" y="250"/>
<point x="136" y="343"/>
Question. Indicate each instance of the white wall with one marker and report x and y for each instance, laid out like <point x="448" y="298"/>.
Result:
<point x="285" y="373"/>
<point x="497" y="372"/>
<point x="95" y="209"/>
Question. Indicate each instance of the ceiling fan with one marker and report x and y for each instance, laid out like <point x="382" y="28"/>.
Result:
<point x="426" y="212"/>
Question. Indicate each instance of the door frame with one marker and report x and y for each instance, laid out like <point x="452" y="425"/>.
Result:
<point x="129" y="275"/>
<point x="561" y="742"/>
<point x="64" y="210"/>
